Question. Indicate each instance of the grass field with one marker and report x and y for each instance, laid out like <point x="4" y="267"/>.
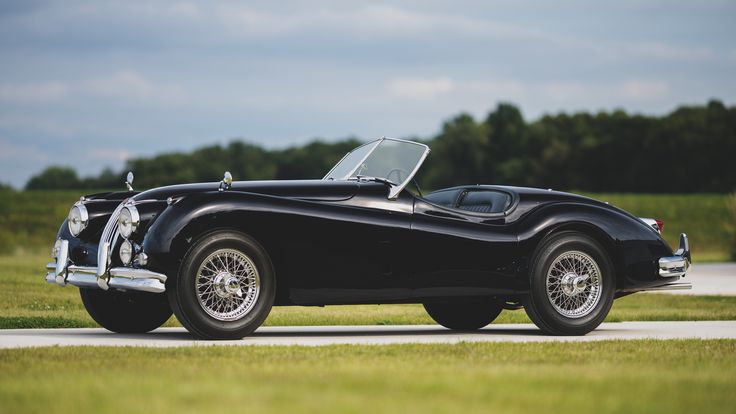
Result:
<point x="27" y="301"/>
<point x="708" y="219"/>
<point x="608" y="377"/>
<point x="603" y="377"/>
<point x="29" y="219"/>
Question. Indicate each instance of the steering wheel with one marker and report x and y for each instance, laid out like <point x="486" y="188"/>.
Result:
<point x="399" y="172"/>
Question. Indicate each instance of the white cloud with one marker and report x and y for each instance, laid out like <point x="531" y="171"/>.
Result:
<point x="33" y="92"/>
<point x="664" y="51"/>
<point x="118" y="155"/>
<point x="376" y="21"/>
<point x="503" y="89"/>
<point x="120" y="85"/>
<point x="420" y="88"/>
<point x="14" y="151"/>
<point x="644" y="89"/>
<point x="128" y="84"/>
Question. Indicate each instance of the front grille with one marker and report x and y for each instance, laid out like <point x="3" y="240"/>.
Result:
<point x="109" y="237"/>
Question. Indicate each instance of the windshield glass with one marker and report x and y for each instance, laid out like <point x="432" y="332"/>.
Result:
<point x="388" y="159"/>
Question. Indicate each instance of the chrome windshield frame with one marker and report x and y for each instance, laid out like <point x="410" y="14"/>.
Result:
<point x="395" y="190"/>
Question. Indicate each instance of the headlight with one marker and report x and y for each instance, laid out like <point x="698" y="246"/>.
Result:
<point x="78" y="219"/>
<point x="128" y="221"/>
<point x="126" y="252"/>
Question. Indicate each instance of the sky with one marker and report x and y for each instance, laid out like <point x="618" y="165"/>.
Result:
<point x="89" y="84"/>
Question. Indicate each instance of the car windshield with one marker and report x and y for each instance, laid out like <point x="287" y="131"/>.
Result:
<point x="386" y="159"/>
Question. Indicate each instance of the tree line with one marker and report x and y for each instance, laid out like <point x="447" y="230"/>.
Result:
<point x="691" y="149"/>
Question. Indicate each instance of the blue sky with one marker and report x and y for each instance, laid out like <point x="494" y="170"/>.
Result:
<point x="91" y="83"/>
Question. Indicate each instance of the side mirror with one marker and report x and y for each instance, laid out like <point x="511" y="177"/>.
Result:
<point x="129" y="180"/>
<point x="226" y="182"/>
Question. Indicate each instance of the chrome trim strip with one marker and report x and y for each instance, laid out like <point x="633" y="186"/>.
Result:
<point x="669" y="286"/>
<point x="103" y="259"/>
<point x="109" y="235"/>
<point x="61" y="263"/>
<point x="133" y="273"/>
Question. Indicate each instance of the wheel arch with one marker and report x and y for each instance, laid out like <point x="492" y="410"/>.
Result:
<point x="595" y="233"/>
<point x="183" y="225"/>
<point x="605" y="227"/>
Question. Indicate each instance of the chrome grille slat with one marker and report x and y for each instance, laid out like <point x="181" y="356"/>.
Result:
<point x="109" y="235"/>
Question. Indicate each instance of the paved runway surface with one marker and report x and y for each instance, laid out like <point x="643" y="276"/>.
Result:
<point x="371" y="335"/>
<point x="710" y="279"/>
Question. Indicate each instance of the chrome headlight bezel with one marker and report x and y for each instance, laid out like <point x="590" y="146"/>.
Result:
<point x="126" y="252"/>
<point x="128" y="221"/>
<point x="77" y="219"/>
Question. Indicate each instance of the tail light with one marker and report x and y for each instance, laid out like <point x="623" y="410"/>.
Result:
<point x="660" y="224"/>
<point x="656" y="224"/>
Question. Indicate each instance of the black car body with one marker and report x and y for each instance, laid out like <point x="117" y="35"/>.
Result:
<point x="357" y="241"/>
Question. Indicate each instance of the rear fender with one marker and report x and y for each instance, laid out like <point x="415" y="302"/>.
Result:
<point x="633" y="247"/>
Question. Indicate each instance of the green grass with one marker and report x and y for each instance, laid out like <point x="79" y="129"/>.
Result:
<point x="603" y="377"/>
<point x="706" y="219"/>
<point x="27" y="301"/>
<point x="29" y="220"/>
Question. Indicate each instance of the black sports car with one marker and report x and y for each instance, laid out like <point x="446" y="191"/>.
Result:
<point x="220" y="255"/>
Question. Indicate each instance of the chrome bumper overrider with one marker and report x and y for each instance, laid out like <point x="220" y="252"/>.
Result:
<point x="672" y="266"/>
<point x="63" y="272"/>
<point x="677" y="265"/>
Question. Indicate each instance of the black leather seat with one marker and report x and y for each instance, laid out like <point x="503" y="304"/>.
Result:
<point x="487" y="202"/>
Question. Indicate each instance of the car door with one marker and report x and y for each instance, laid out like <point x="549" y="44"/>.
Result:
<point x="466" y="248"/>
<point x="349" y="251"/>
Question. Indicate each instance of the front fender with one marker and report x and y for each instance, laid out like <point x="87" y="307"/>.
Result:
<point x="184" y="221"/>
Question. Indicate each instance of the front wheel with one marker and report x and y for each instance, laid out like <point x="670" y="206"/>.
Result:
<point x="572" y="285"/>
<point x="225" y="287"/>
<point x="464" y="316"/>
<point x="126" y="312"/>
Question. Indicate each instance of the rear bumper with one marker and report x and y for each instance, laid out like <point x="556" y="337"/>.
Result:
<point x="63" y="272"/>
<point x="678" y="264"/>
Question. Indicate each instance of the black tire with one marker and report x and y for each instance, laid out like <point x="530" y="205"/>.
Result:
<point x="464" y="316"/>
<point x="538" y="304"/>
<point x="182" y="290"/>
<point x="126" y="312"/>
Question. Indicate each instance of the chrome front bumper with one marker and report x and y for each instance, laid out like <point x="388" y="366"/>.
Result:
<point x="677" y="265"/>
<point x="63" y="272"/>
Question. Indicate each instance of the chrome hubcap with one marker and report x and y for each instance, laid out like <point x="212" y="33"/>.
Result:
<point x="227" y="284"/>
<point x="574" y="284"/>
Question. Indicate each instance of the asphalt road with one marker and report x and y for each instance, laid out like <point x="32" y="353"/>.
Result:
<point x="709" y="279"/>
<point x="369" y="335"/>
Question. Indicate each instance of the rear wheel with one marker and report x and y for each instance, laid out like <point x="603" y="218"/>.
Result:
<point x="225" y="288"/>
<point x="464" y="316"/>
<point x="572" y="285"/>
<point x="126" y="312"/>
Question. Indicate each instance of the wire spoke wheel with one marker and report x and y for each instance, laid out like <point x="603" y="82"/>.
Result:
<point x="227" y="284"/>
<point x="574" y="284"/>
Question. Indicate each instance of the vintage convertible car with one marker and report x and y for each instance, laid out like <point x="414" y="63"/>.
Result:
<point x="220" y="255"/>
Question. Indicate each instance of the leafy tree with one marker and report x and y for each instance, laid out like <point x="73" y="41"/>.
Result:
<point x="687" y="150"/>
<point x="55" y="178"/>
